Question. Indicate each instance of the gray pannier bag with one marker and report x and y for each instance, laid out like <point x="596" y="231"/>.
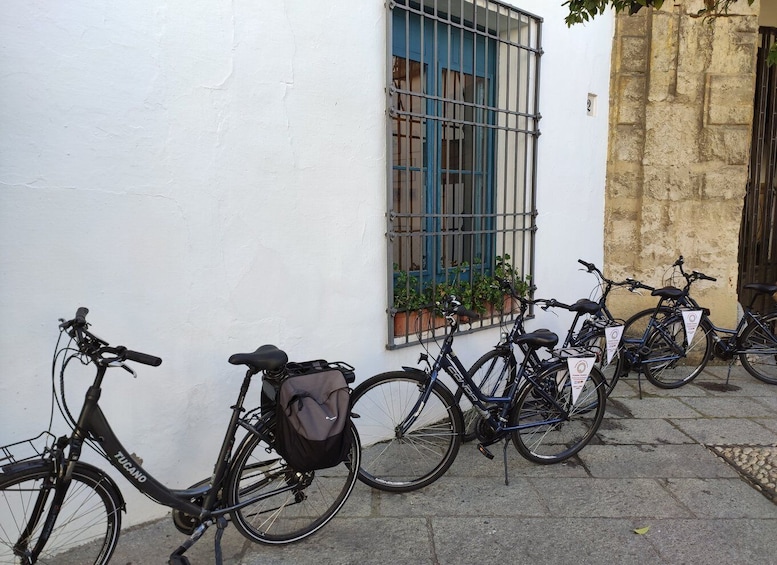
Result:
<point x="313" y="415"/>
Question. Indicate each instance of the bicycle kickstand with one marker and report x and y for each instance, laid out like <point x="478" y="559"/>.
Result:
<point x="221" y="524"/>
<point x="507" y="481"/>
<point x="639" y="382"/>
<point x="728" y="375"/>
<point x="178" y="557"/>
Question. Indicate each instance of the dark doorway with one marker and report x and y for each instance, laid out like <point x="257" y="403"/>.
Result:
<point x="758" y="234"/>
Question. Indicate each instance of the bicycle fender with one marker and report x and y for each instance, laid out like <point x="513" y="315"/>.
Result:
<point x="8" y="471"/>
<point x="32" y="465"/>
<point x="86" y="468"/>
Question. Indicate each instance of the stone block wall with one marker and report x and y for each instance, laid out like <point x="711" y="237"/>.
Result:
<point x="681" y="112"/>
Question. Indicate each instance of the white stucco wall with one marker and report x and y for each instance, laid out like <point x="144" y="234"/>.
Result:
<point x="208" y="177"/>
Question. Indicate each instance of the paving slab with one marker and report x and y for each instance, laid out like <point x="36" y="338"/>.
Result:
<point x="713" y="541"/>
<point x="725" y="431"/>
<point x="731" y="407"/>
<point x="560" y="541"/>
<point x="650" y="461"/>
<point x="632" y="431"/>
<point x="608" y="498"/>
<point x="652" y="408"/>
<point x="721" y="498"/>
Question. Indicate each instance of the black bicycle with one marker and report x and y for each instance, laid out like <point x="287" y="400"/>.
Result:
<point x="675" y="340"/>
<point x="588" y="335"/>
<point x="412" y="427"/>
<point x="55" y="508"/>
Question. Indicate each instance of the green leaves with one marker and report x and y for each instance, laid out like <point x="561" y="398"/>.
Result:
<point x="584" y="10"/>
<point x="581" y="11"/>
<point x="771" y="59"/>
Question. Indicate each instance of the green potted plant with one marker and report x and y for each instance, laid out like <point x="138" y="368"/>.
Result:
<point x="504" y="270"/>
<point x="413" y="307"/>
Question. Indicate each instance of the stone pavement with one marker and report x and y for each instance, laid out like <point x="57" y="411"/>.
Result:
<point x="654" y="466"/>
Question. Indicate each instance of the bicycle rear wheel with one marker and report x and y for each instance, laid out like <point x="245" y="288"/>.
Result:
<point x="87" y="527"/>
<point x="554" y="431"/>
<point x="668" y="359"/>
<point x="402" y="462"/>
<point x="493" y="373"/>
<point x="294" y="504"/>
<point x="759" y="341"/>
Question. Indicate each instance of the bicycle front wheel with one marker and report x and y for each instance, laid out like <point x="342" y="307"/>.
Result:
<point x="556" y="426"/>
<point x="668" y="359"/>
<point x="86" y="529"/>
<point x="290" y="505"/>
<point x="759" y="342"/>
<point x="674" y="360"/>
<point x="401" y="462"/>
<point x="494" y="372"/>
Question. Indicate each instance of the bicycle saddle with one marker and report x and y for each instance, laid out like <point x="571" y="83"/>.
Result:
<point x="585" y="306"/>
<point x="266" y="358"/>
<point x="537" y="339"/>
<point x="762" y="288"/>
<point x="667" y="292"/>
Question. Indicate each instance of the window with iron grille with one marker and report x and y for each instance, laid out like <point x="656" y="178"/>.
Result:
<point x="463" y="112"/>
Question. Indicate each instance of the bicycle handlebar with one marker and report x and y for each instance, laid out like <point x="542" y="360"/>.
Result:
<point x="694" y="275"/>
<point x="95" y="347"/>
<point x="451" y="306"/>
<point x="589" y="266"/>
<point x="632" y="284"/>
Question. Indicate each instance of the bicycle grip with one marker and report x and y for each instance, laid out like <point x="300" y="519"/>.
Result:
<point x="144" y="358"/>
<point x="461" y="311"/>
<point x="589" y="266"/>
<point x="81" y="313"/>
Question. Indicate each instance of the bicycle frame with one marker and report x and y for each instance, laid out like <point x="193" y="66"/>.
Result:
<point x="448" y="361"/>
<point x="93" y="423"/>
<point x="747" y="318"/>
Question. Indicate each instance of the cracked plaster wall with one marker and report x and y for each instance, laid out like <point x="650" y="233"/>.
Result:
<point x="208" y="177"/>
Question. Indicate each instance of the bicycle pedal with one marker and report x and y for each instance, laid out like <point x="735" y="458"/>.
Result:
<point x="482" y="449"/>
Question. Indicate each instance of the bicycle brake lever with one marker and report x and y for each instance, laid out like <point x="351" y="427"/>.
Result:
<point x="127" y="368"/>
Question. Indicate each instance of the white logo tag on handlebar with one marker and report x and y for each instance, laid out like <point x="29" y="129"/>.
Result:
<point x="579" y="369"/>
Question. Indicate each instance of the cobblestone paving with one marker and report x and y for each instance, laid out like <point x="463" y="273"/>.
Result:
<point x="756" y="464"/>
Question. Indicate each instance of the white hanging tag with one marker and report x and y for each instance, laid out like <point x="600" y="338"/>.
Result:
<point x="691" y="319"/>
<point x="579" y="369"/>
<point x="613" y="334"/>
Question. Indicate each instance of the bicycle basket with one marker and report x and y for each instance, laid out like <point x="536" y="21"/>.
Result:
<point x="25" y="450"/>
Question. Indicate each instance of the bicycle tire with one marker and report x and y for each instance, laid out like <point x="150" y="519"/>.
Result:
<point x="759" y="343"/>
<point x="88" y="524"/>
<point x="425" y="452"/>
<point x="493" y="373"/>
<point x="291" y="514"/>
<point x="545" y="441"/>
